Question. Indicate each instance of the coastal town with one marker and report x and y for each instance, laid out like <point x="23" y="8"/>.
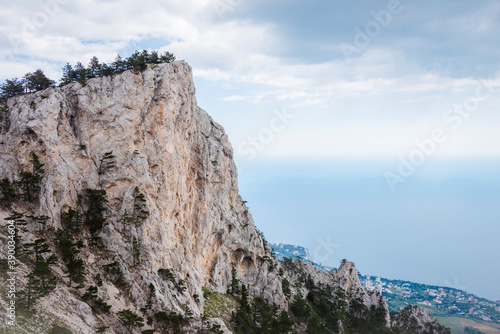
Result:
<point x="439" y="301"/>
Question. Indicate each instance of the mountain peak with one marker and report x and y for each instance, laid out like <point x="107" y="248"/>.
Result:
<point x="124" y="194"/>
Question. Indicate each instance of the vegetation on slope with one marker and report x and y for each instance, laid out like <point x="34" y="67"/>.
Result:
<point x="36" y="81"/>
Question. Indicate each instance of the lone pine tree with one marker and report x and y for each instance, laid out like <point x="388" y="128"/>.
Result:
<point x="140" y="212"/>
<point x="29" y="182"/>
<point x="94" y="216"/>
<point x="67" y="247"/>
<point x="106" y="163"/>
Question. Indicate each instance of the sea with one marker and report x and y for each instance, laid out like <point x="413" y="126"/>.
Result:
<point x="436" y="224"/>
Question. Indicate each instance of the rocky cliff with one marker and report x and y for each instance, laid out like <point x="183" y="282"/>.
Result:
<point x="415" y="320"/>
<point x="134" y="153"/>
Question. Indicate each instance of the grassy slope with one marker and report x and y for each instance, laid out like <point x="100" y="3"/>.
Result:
<point x="457" y="325"/>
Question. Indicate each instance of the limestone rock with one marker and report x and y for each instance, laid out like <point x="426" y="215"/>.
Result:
<point x="415" y="320"/>
<point x="168" y="148"/>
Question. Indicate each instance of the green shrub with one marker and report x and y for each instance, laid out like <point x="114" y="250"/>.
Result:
<point x="56" y="329"/>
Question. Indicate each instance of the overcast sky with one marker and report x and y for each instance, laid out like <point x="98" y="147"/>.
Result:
<point x="298" y="84"/>
<point x="359" y="77"/>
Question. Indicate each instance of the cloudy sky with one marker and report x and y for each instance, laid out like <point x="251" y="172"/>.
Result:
<point x="304" y="83"/>
<point x="361" y="77"/>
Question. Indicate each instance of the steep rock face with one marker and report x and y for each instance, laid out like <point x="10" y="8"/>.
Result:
<point x="165" y="145"/>
<point x="415" y="320"/>
<point x="345" y="282"/>
<point x="181" y="161"/>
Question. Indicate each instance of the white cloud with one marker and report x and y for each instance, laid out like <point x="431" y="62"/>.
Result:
<point x="238" y="56"/>
<point x="235" y="98"/>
